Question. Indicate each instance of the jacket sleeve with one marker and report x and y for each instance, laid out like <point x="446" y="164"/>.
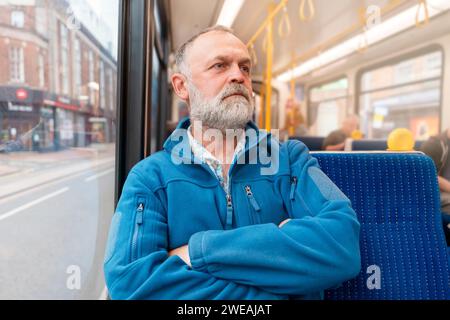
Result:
<point x="137" y="265"/>
<point x="316" y="250"/>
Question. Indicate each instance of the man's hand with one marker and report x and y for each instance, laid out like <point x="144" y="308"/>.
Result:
<point x="283" y="222"/>
<point x="183" y="253"/>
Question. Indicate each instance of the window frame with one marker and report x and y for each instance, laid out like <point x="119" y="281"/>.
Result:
<point x="435" y="47"/>
<point x="41" y="69"/>
<point x="13" y="18"/>
<point x="17" y="55"/>
<point x="78" y="65"/>
<point x="321" y="83"/>
<point x="64" y="38"/>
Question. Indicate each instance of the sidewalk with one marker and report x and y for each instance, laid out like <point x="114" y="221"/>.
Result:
<point x="25" y="170"/>
<point x="18" y="161"/>
<point x="6" y="170"/>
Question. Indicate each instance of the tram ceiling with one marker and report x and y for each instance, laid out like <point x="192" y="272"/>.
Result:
<point x="330" y="18"/>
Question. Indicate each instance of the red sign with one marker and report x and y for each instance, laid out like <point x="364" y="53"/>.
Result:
<point x="21" y="94"/>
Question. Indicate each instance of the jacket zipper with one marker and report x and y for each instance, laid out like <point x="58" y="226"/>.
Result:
<point x="293" y="185"/>
<point x="229" y="217"/>
<point x="252" y="199"/>
<point x="137" y="228"/>
<point x="229" y="211"/>
<point x="253" y="203"/>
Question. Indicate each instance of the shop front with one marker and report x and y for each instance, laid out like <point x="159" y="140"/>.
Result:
<point x="66" y="125"/>
<point x="19" y="118"/>
<point x="34" y="120"/>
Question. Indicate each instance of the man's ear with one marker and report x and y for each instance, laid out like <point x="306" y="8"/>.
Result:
<point x="179" y="84"/>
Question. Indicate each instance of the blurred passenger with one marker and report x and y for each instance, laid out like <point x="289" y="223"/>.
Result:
<point x="335" y="141"/>
<point x="437" y="148"/>
<point x="295" y="122"/>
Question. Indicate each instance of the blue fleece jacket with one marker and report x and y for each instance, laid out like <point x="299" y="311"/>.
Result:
<point x="236" y="248"/>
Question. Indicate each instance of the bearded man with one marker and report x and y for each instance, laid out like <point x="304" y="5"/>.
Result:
<point x="205" y="219"/>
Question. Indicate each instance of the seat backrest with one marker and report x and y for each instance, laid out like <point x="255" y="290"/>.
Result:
<point x="396" y="198"/>
<point x="369" y="144"/>
<point x="312" y="142"/>
<point x="375" y="144"/>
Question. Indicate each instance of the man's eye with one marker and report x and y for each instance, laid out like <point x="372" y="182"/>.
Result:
<point x="246" y="69"/>
<point x="219" y="66"/>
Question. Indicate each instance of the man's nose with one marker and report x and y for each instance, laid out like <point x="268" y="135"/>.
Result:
<point x="236" y="74"/>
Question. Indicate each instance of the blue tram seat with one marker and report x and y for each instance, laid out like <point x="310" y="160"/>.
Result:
<point x="396" y="198"/>
<point x="375" y="144"/>
<point x="312" y="142"/>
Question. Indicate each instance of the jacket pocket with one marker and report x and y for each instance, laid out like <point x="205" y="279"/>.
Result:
<point x="255" y="209"/>
<point x="137" y="230"/>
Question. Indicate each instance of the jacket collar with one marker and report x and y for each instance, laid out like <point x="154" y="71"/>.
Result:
<point x="178" y="142"/>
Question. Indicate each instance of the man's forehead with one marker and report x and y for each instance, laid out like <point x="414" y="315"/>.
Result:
<point x="216" y="44"/>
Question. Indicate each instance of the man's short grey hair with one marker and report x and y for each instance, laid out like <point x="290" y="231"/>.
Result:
<point x="180" y="56"/>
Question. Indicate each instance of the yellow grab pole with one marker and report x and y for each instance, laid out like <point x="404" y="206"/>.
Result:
<point x="269" y="19"/>
<point x="292" y="77"/>
<point x="269" y="53"/>
<point x="261" y="107"/>
<point x="390" y="7"/>
<point x="292" y="95"/>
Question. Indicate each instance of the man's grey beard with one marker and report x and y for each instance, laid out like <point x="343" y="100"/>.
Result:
<point x="232" y="113"/>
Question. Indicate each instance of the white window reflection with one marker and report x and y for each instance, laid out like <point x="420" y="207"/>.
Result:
<point x="17" y="64"/>
<point x="41" y="70"/>
<point x="17" y="19"/>
<point x="77" y="68"/>
<point x="64" y="38"/>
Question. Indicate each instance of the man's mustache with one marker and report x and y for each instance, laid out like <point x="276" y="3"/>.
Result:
<point x="235" y="90"/>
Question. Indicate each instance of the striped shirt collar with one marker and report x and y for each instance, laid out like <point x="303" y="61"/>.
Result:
<point x="207" y="157"/>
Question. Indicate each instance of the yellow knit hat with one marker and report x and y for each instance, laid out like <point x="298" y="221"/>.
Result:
<point x="401" y="139"/>
<point x="356" y="135"/>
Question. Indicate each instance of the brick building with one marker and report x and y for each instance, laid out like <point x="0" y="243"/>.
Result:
<point x="58" y="80"/>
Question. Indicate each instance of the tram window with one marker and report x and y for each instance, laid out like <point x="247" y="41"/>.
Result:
<point x="328" y="105"/>
<point x="57" y="146"/>
<point x="404" y="93"/>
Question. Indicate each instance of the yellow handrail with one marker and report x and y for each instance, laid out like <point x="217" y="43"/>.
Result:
<point x="292" y="95"/>
<point x="363" y="43"/>
<point x="268" y="93"/>
<point x="312" y="10"/>
<point x="286" y="23"/>
<point x="392" y="5"/>
<point x="261" y="105"/>
<point x="266" y="21"/>
<point x="422" y="4"/>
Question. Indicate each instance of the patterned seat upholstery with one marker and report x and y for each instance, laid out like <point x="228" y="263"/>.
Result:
<point x="403" y="250"/>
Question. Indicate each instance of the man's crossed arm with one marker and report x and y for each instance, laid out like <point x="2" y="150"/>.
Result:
<point x="183" y="251"/>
